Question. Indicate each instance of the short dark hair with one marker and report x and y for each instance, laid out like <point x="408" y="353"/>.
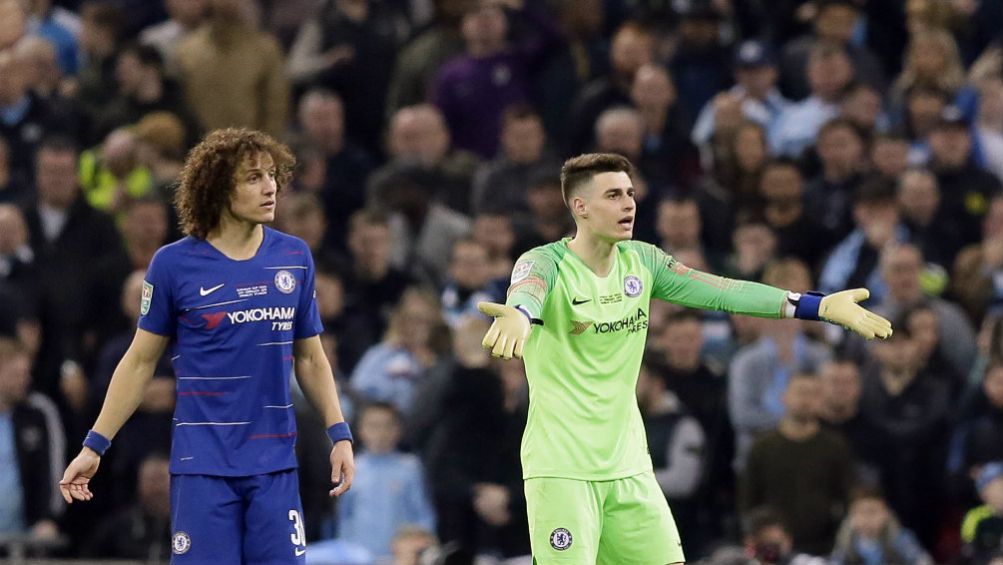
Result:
<point x="580" y="170"/>
<point x="760" y="518"/>
<point x="876" y="190"/>
<point x="837" y="123"/>
<point x="517" y="112"/>
<point x="685" y="315"/>
<point x="148" y="56"/>
<point x="368" y="216"/>
<point x="58" y="143"/>
<point x="380" y="405"/>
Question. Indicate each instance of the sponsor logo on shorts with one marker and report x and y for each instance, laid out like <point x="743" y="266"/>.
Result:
<point x="560" y="539"/>
<point x="632" y="286"/>
<point x="285" y="281"/>
<point x="181" y="543"/>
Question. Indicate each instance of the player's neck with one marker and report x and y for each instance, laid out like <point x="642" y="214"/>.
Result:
<point x="596" y="253"/>
<point x="235" y="239"/>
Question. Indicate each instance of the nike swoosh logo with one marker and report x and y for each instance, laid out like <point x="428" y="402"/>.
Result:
<point x="577" y="301"/>
<point x="299" y="552"/>
<point x="208" y="291"/>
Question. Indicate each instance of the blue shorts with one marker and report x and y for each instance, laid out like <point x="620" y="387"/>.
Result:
<point x="255" y="520"/>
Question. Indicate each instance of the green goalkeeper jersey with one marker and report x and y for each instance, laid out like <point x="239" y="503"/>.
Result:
<point x="582" y="362"/>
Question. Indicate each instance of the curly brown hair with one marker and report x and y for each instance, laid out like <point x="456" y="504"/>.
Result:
<point x="208" y="177"/>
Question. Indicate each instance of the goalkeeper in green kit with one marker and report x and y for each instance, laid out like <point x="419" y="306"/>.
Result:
<point x="577" y="311"/>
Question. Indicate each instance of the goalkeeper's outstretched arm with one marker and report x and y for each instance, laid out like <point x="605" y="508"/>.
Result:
<point x="532" y="278"/>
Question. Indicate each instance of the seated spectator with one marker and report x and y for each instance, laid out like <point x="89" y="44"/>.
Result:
<point x="668" y="158"/>
<point x="678" y="225"/>
<point x="391" y="489"/>
<point x="759" y="372"/>
<point x="829" y="71"/>
<point x="111" y="175"/>
<point x="977" y="278"/>
<point x="411" y="544"/>
<point x="500" y="184"/>
<point x="863" y="107"/>
<point x="302" y="215"/>
<point x="32" y="444"/>
<point x="901" y="268"/>
<point x="889" y="155"/>
<point x="785" y="207"/>
<point x="144" y="229"/>
<point x="977" y="437"/>
<point x="829" y="195"/>
<point x="493" y="230"/>
<point x="699" y="61"/>
<point x="872" y="535"/>
<point x="966" y="189"/>
<point x="103" y="27"/>
<point x="932" y="59"/>
<point x="548" y="219"/>
<point x="919" y="204"/>
<point x="755" y="92"/>
<point x="840" y="412"/>
<point x="143" y="530"/>
<point x="755" y="246"/>
<point x="854" y="261"/>
<point x="982" y="530"/>
<point x="419" y="142"/>
<point x="389" y="370"/>
<point x="801" y="469"/>
<point x="768" y="541"/>
<point x="470" y="282"/>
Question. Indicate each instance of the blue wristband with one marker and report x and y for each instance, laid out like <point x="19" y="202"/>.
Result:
<point x="807" y="306"/>
<point x="97" y="442"/>
<point x="340" y="432"/>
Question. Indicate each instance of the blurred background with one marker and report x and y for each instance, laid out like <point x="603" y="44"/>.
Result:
<point x="822" y="144"/>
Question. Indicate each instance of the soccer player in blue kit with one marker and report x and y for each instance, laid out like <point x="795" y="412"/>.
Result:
<point x="235" y="300"/>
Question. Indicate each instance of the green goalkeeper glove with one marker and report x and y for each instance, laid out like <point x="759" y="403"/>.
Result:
<point x="841" y="308"/>
<point x="507" y="335"/>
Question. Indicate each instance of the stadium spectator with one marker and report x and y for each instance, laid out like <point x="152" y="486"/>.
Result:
<point x="863" y="106"/>
<point x="142" y="531"/>
<point x="755" y="94"/>
<point x="976" y="438"/>
<point x="801" y="469"/>
<point x="759" y="373"/>
<point x="391" y="491"/>
<point x="840" y="412"/>
<point x="472" y="455"/>
<point x="871" y="535"/>
<point x="678" y="225"/>
<point x="829" y="72"/>
<point x="232" y="73"/>
<point x="390" y="370"/>
<point x="767" y="540"/>
<point x="72" y="242"/>
<point x="500" y="184"/>
<point x="548" y="217"/>
<point x="410" y="544"/>
<point x="932" y="60"/>
<point x="44" y="76"/>
<point x="160" y="147"/>
<point x="987" y="127"/>
<point x="982" y="530"/>
<point x="668" y="158"/>
<point x="420" y="59"/>
<point x="631" y="47"/>
<point x="303" y="216"/>
<point x="101" y="33"/>
<point x="33" y="446"/>
<point x="142" y="88"/>
<point x="889" y="155"/>
<point x="829" y="195"/>
<point x="973" y="280"/>
<point x="419" y="144"/>
<point x="854" y="260"/>
<point x="470" y="282"/>
<point x="494" y="231"/>
<point x="183" y="18"/>
<point x="966" y="189"/>
<point x="902" y="270"/>
<point x="344" y="165"/>
<point x="835" y="22"/>
<point x="700" y="61"/>
<point x="473" y="89"/>
<point x="60" y="27"/>
<point x="755" y="246"/>
<point x="349" y="47"/>
<point x="144" y="229"/>
<point x="907" y="408"/>
<point x="111" y="174"/>
<point x="919" y="204"/>
<point x="782" y="191"/>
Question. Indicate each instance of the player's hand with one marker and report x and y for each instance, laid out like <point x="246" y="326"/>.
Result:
<point x="507" y="335"/>
<point x="342" y="468"/>
<point x="841" y="308"/>
<point x="74" y="484"/>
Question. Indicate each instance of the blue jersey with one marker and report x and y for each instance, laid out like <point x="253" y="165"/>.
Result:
<point x="232" y="324"/>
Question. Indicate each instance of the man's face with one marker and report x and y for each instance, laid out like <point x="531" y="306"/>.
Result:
<point x="890" y="156"/>
<point x="608" y="204"/>
<point x="919" y="196"/>
<point x="951" y="146"/>
<point x="841" y="150"/>
<point x="862" y="107"/>
<point x="469" y="267"/>
<point x="15" y="378"/>
<point x="683" y="340"/>
<point x="757" y="81"/>
<point x="630" y="51"/>
<point x="840" y="384"/>
<point x="13" y="79"/>
<point x="620" y="135"/>
<point x="652" y="88"/>
<point x="523" y="139"/>
<point x="868" y="517"/>
<point x="484" y="24"/>
<point x="494" y="231"/>
<point x="309" y="226"/>
<point x="420" y="135"/>
<point x="13" y="229"/>
<point x="679" y="224"/>
<point x="897" y="354"/>
<point x="330" y="296"/>
<point x="56" y="177"/>
<point x="370" y="244"/>
<point x="145" y="224"/>
<point x="129" y="73"/>
<point x="750" y="148"/>
<point x="828" y="75"/>
<point x="901" y="270"/>
<point x="379" y="430"/>
<point x="924" y="111"/>
<point x="255" y="190"/>
<point x="877" y="220"/>
<point x="836" y="23"/>
<point x="924" y="330"/>
<point x="803" y="399"/>
<point x="545" y="201"/>
<point x="323" y="120"/>
<point x="782" y="189"/>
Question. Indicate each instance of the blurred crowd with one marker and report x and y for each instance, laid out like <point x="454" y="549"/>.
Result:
<point x="807" y="144"/>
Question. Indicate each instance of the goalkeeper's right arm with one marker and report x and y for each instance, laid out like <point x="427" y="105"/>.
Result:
<point x="532" y="277"/>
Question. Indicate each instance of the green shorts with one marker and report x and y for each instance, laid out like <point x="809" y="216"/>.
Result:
<point x="621" y="522"/>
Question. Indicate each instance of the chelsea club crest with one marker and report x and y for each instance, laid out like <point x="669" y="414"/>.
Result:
<point x="632" y="286"/>
<point x="285" y="282"/>
<point x="181" y="543"/>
